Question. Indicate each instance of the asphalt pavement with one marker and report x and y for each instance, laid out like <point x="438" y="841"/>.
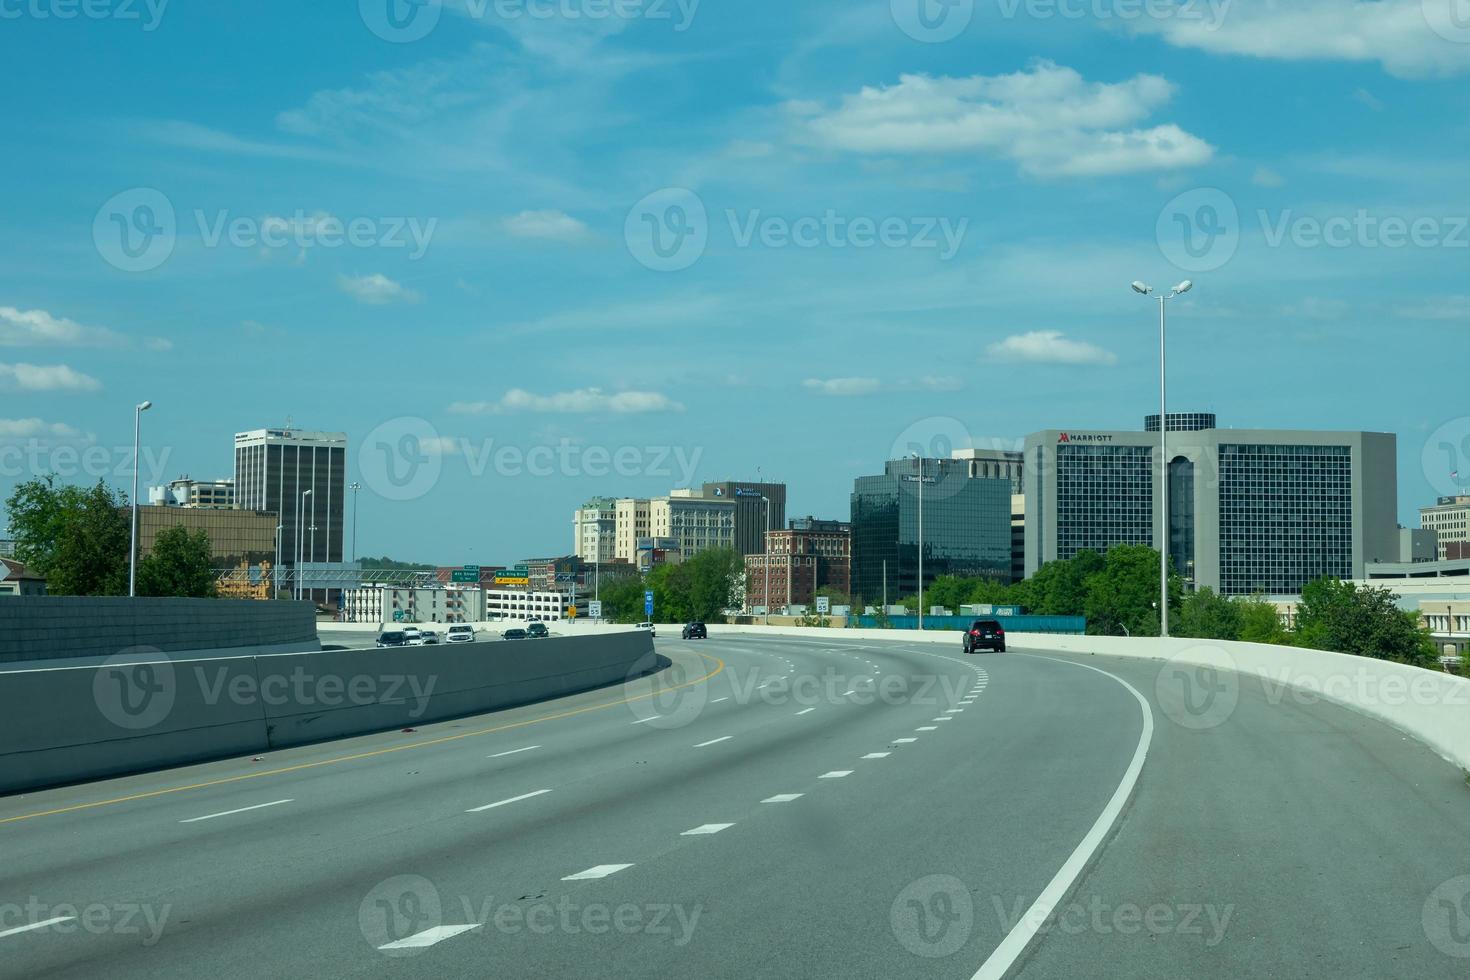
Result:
<point x="774" y="807"/>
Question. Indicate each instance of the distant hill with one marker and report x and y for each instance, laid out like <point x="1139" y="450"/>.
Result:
<point x="388" y="564"/>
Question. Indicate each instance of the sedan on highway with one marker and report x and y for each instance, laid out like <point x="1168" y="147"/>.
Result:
<point x="696" y="631"/>
<point x="513" y="635"/>
<point x="415" y="638"/>
<point x="461" y="633"/>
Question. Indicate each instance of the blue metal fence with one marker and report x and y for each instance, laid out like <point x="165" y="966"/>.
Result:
<point x="1013" y="624"/>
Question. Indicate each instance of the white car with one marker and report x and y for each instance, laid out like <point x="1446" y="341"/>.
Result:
<point x="414" y="637"/>
<point x="649" y="627"/>
<point x="460" y="634"/>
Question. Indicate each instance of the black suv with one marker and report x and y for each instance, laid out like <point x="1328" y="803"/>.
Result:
<point x="537" y="631"/>
<point x="985" y="634"/>
<point x="696" y="631"/>
<point x="392" y="638"/>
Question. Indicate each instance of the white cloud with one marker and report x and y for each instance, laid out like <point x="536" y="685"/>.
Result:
<point x="584" y="401"/>
<point x="35" y="428"/>
<point x="940" y="383"/>
<point x="45" y="377"/>
<point x="551" y="226"/>
<point x="376" y="289"/>
<point x="1410" y="38"/>
<point x="38" y="328"/>
<point x="1445" y="308"/>
<point x="1048" y="119"/>
<point x="1049" y="347"/>
<point x="843" y="387"/>
<point x="1266" y="177"/>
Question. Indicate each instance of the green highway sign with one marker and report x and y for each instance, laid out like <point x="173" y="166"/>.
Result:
<point x="466" y="575"/>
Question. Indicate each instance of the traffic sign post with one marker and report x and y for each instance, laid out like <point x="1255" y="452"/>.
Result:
<point x="824" y="605"/>
<point x="594" y="609"/>
<point x="648" y="604"/>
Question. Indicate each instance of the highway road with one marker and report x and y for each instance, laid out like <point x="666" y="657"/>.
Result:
<point x="775" y="807"/>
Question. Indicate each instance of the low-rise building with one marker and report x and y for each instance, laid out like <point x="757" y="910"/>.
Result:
<point x="386" y="603"/>
<point x="18" y="580"/>
<point x="798" y="562"/>
<point x="1449" y="519"/>
<point x="188" y="492"/>
<point x="235" y="536"/>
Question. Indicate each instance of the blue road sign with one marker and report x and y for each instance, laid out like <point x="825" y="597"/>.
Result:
<point x="648" y="603"/>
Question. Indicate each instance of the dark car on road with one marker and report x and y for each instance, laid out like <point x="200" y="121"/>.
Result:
<point x="513" y="635"/>
<point x="985" y="634"/>
<point x="393" y="638"/>
<point x="537" y="631"/>
<point x="696" y="631"/>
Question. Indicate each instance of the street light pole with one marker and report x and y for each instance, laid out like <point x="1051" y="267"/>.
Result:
<point x="300" y="545"/>
<point x="766" y="549"/>
<point x="138" y="411"/>
<point x="1164" y="528"/>
<point x="354" y="488"/>
<point x="276" y="568"/>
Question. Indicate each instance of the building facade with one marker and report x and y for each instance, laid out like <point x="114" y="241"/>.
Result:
<point x="236" y="537"/>
<point x="759" y="507"/>
<point x="630" y="515"/>
<point x="1250" y="510"/>
<point x="301" y="476"/>
<point x="19" y="580"/>
<point x="695" y="523"/>
<point x="808" y="556"/>
<point x="186" y="492"/>
<point x="996" y="464"/>
<point x="1449" y="519"/>
<point x="595" y="530"/>
<point x="966" y="528"/>
<point x="379" y="603"/>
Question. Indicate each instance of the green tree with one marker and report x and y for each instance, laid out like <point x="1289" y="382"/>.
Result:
<point x="1363" y="620"/>
<point x="179" y="565"/>
<point x="1124" y="594"/>
<point x="90" y="555"/>
<point x="1208" y="616"/>
<point x="39" y="511"/>
<point x="1260" y="622"/>
<point x="622" y="599"/>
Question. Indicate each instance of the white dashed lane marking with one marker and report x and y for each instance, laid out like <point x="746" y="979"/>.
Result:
<point x="784" y="798"/>
<point x="704" y="829"/>
<point x="501" y="755"/>
<point x="904" y="741"/>
<point x="513" y="799"/>
<point x="835" y="774"/>
<point x="877" y="755"/>
<point x="32" y="927"/>
<point x="600" y="871"/>
<point x="714" y="741"/>
<point x="230" y="813"/>
<point x="430" y="937"/>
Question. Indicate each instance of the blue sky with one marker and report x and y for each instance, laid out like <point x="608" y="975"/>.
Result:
<point x="573" y="253"/>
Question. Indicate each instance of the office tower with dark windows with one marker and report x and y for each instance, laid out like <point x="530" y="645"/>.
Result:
<point x="1249" y="510"/>
<point x="758" y="507"/>
<point x="275" y="469"/>
<point x="966" y="527"/>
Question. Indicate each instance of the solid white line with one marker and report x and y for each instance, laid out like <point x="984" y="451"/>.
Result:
<point x="513" y="799"/>
<point x="904" y="741"/>
<point x="228" y="813"/>
<point x="806" y="711"/>
<point x="784" y="798"/>
<point x="36" y="925"/>
<point x="709" y="828"/>
<point x="601" y="871"/>
<point x="1014" y="944"/>
<point x="501" y="755"/>
<point x="715" y="741"/>
<point x="835" y="774"/>
<point x="877" y="755"/>
<point x="430" y="936"/>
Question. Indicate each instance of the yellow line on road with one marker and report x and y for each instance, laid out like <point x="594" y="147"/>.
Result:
<point x="363" y="755"/>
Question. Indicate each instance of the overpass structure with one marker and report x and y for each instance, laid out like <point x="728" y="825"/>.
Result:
<point x="793" y="803"/>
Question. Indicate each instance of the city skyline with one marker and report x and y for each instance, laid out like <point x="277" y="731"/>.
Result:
<point x="458" y="224"/>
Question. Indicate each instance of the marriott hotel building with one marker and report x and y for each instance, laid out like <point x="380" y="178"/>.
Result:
<point x="1250" y="510"/>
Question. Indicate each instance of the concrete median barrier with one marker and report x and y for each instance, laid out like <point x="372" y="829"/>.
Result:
<point x="144" y="709"/>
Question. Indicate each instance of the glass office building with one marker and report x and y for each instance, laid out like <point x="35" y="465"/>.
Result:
<point x="1249" y="510"/>
<point x="967" y="527"/>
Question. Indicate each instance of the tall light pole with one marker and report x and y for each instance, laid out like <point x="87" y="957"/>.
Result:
<point x="276" y="568"/>
<point x="138" y="411"/>
<point x="354" y="488"/>
<point x="1164" y="528"/>
<point x="919" y="463"/>
<point x="300" y="544"/>
<point x="766" y="549"/>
